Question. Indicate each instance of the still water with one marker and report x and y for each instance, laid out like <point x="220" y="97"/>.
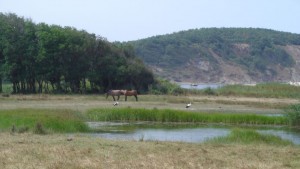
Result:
<point x="125" y="131"/>
<point x="200" y="86"/>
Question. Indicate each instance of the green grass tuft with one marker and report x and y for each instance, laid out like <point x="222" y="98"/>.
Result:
<point x="51" y="120"/>
<point x="248" y="136"/>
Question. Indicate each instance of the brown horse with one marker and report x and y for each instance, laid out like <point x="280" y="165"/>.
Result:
<point x="114" y="93"/>
<point x="130" y="93"/>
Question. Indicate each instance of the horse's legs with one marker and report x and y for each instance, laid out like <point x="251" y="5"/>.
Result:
<point x="125" y="98"/>
<point x="118" y="97"/>
<point x="114" y="97"/>
<point x="136" y="98"/>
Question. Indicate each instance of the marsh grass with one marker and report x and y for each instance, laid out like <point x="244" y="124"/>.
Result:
<point x="168" y="115"/>
<point x="254" y="104"/>
<point x="249" y="136"/>
<point x="50" y="120"/>
<point x="293" y="115"/>
<point x="270" y="90"/>
<point x="54" y="151"/>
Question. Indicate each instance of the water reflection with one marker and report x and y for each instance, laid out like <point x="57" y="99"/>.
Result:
<point x="191" y="134"/>
<point x="183" y="135"/>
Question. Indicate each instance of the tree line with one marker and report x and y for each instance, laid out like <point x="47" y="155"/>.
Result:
<point x="39" y="58"/>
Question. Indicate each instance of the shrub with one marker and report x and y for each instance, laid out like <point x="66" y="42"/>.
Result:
<point x="293" y="114"/>
<point x="39" y="129"/>
<point x="209" y="91"/>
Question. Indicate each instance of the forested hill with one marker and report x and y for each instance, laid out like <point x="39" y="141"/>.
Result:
<point x="226" y="55"/>
<point x="50" y="58"/>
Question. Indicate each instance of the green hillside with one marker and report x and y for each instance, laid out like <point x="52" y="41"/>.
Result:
<point x="258" y="52"/>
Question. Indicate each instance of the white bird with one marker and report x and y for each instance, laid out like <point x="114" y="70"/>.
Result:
<point x="116" y="103"/>
<point x="188" y="105"/>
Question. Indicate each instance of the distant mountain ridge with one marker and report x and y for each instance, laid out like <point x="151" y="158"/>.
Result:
<point x="223" y="55"/>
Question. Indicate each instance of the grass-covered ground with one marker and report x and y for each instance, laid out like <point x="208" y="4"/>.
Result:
<point x="269" y="90"/>
<point x="55" y="151"/>
<point x="50" y="120"/>
<point x="61" y="114"/>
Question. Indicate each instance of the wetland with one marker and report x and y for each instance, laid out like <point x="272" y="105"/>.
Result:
<point x="76" y="139"/>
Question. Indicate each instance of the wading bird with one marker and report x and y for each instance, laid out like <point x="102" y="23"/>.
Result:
<point x="188" y="105"/>
<point x="116" y="103"/>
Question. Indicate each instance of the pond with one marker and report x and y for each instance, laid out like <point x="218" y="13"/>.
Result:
<point x="178" y="133"/>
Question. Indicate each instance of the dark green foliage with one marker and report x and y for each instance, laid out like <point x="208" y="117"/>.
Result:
<point x="293" y="115"/>
<point x="165" y="87"/>
<point x="209" y="91"/>
<point x="43" y="58"/>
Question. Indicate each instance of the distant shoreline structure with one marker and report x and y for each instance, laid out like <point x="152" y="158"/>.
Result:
<point x="189" y="85"/>
<point x="294" y="83"/>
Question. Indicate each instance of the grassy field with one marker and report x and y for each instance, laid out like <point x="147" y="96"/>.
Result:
<point x="23" y="120"/>
<point x="55" y="151"/>
<point x="60" y="114"/>
<point x="269" y="90"/>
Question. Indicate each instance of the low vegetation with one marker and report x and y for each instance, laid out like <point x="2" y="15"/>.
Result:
<point x="241" y="149"/>
<point x="248" y="136"/>
<point x="269" y="90"/>
<point x="293" y="115"/>
<point x="262" y="90"/>
<point x="55" y="151"/>
<point x="41" y="121"/>
<point x="168" y="115"/>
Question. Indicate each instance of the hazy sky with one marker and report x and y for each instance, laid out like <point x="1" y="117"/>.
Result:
<point x="124" y="20"/>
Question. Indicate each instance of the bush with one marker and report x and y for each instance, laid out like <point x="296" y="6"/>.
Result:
<point x="165" y="87"/>
<point x="209" y="91"/>
<point x="293" y="114"/>
<point x="39" y="129"/>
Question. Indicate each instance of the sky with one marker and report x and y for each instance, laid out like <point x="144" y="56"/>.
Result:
<point x="126" y="20"/>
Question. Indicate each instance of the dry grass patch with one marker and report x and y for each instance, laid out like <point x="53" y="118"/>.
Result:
<point x="55" y="151"/>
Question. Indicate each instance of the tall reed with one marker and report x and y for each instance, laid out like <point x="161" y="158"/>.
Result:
<point x="168" y="115"/>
